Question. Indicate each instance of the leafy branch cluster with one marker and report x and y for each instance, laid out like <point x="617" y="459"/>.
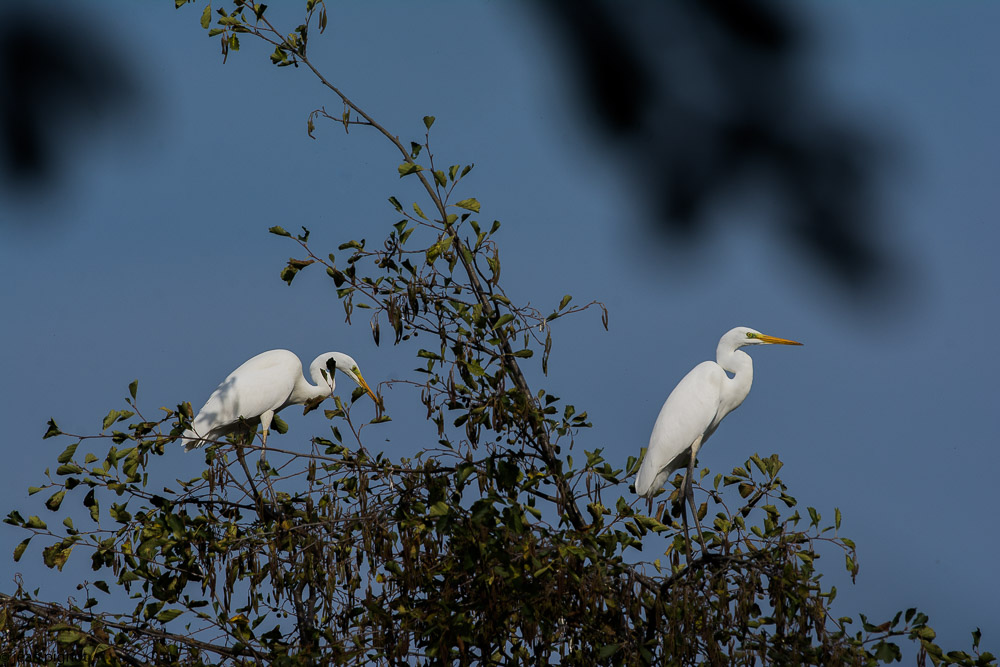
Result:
<point x="496" y="542"/>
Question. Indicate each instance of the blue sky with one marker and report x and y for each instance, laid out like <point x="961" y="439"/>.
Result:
<point x="152" y="261"/>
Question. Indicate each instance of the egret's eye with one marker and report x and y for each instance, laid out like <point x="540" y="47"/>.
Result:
<point x="751" y="334"/>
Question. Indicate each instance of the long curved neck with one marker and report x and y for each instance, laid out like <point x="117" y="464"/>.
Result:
<point x="317" y="370"/>
<point x="740" y="364"/>
<point x="304" y="391"/>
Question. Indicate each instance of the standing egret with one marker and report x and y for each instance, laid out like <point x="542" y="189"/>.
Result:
<point x="693" y="411"/>
<point x="264" y="385"/>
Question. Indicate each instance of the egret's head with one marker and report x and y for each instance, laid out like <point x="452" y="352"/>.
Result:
<point x="344" y="364"/>
<point x="741" y="336"/>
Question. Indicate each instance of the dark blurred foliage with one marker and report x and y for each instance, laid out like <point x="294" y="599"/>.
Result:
<point x="707" y="98"/>
<point x="60" y="80"/>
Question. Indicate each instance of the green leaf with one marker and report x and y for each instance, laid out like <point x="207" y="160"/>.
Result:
<point x="435" y="250"/>
<point x="90" y="501"/>
<point x="55" y="500"/>
<point x="440" y="508"/>
<point x="69" y="636"/>
<point x="836" y="517"/>
<point x="887" y="652"/>
<point x="288" y="274"/>
<point x="206" y="16"/>
<point x="502" y="320"/>
<point x="428" y="121"/>
<point x="395" y="204"/>
<point x="168" y="615"/>
<point x="607" y="651"/>
<point x="35" y="522"/>
<point x="19" y="549"/>
<point x="280" y="231"/>
<point x="52" y="431"/>
<point x="279" y="57"/>
<point x="279" y="425"/>
<point x="565" y="301"/>
<point x="109" y="419"/>
<point x="338" y="277"/>
<point x="464" y="470"/>
<point x="67" y="454"/>
<point x="469" y="205"/>
<point x="408" y="168"/>
<point x="133" y="386"/>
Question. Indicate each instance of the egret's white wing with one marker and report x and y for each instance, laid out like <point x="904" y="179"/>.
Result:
<point x="690" y="411"/>
<point x="263" y="383"/>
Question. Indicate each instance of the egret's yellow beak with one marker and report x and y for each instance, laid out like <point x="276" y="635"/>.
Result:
<point x="777" y="341"/>
<point x="368" y="390"/>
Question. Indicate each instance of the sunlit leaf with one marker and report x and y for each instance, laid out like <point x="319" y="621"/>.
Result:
<point x="469" y="204"/>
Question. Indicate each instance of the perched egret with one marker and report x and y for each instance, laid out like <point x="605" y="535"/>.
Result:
<point x="264" y="385"/>
<point x="694" y="409"/>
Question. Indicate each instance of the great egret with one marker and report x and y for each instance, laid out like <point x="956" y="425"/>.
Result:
<point x="693" y="411"/>
<point x="264" y="385"/>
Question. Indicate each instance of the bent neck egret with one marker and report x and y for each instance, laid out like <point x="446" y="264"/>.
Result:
<point x="264" y="385"/>
<point x="694" y="409"/>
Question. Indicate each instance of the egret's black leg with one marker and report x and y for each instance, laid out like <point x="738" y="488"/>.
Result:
<point x="684" y="515"/>
<point x="689" y="491"/>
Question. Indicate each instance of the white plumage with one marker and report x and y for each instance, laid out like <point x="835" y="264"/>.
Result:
<point x="264" y="385"/>
<point x="695" y="407"/>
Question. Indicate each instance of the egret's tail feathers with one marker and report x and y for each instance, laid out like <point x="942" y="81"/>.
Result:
<point x="645" y="479"/>
<point x="191" y="440"/>
<point x="644" y="487"/>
